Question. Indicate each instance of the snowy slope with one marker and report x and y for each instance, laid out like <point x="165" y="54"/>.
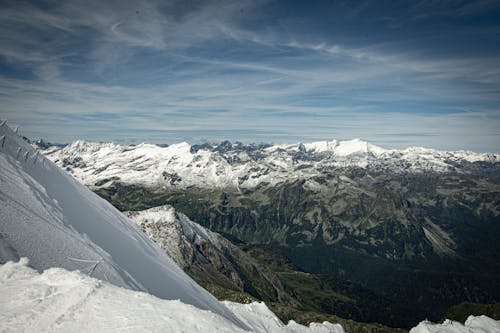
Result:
<point x="61" y="301"/>
<point x="58" y="300"/>
<point x="49" y="217"/>
<point x="243" y="166"/>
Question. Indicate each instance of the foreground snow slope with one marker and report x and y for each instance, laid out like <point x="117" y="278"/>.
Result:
<point x="61" y="301"/>
<point x="49" y="217"/>
<point x="58" y="300"/>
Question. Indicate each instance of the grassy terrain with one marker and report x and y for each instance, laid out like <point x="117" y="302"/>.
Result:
<point x="226" y="294"/>
<point x="461" y="311"/>
<point x="350" y="326"/>
<point x="322" y="298"/>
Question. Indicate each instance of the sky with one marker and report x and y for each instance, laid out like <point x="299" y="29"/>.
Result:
<point x="394" y="73"/>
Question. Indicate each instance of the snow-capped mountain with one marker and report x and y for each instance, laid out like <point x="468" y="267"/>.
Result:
<point x="244" y="166"/>
<point x="49" y="217"/>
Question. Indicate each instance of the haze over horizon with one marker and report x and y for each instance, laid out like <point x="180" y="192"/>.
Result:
<point x="412" y="73"/>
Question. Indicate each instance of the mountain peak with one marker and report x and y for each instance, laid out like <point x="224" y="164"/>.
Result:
<point x="344" y="148"/>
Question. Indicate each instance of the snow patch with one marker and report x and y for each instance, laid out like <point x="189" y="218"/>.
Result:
<point x="261" y="319"/>
<point x="473" y="324"/>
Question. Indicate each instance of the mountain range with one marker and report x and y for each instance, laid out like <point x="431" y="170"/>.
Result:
<point x="417" y="228"/>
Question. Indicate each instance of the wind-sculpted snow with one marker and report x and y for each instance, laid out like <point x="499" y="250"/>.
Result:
<point x="244" y="166"/>
<point x="49" y="217"/>
<point x="61" y="301"/>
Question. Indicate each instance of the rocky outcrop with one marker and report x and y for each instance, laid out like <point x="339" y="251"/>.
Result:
<point x="208" y="257"/>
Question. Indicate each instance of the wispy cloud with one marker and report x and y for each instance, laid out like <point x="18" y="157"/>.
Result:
<point x="97" y="69"/>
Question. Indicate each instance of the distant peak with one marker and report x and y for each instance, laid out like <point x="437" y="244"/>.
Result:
<point x="184" y="146"/>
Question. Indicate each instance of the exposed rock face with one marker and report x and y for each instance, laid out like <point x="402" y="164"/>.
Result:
<point x="207" y="256"/>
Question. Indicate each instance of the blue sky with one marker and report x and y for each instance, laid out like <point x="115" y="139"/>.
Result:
<point x="395" y="73"/>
